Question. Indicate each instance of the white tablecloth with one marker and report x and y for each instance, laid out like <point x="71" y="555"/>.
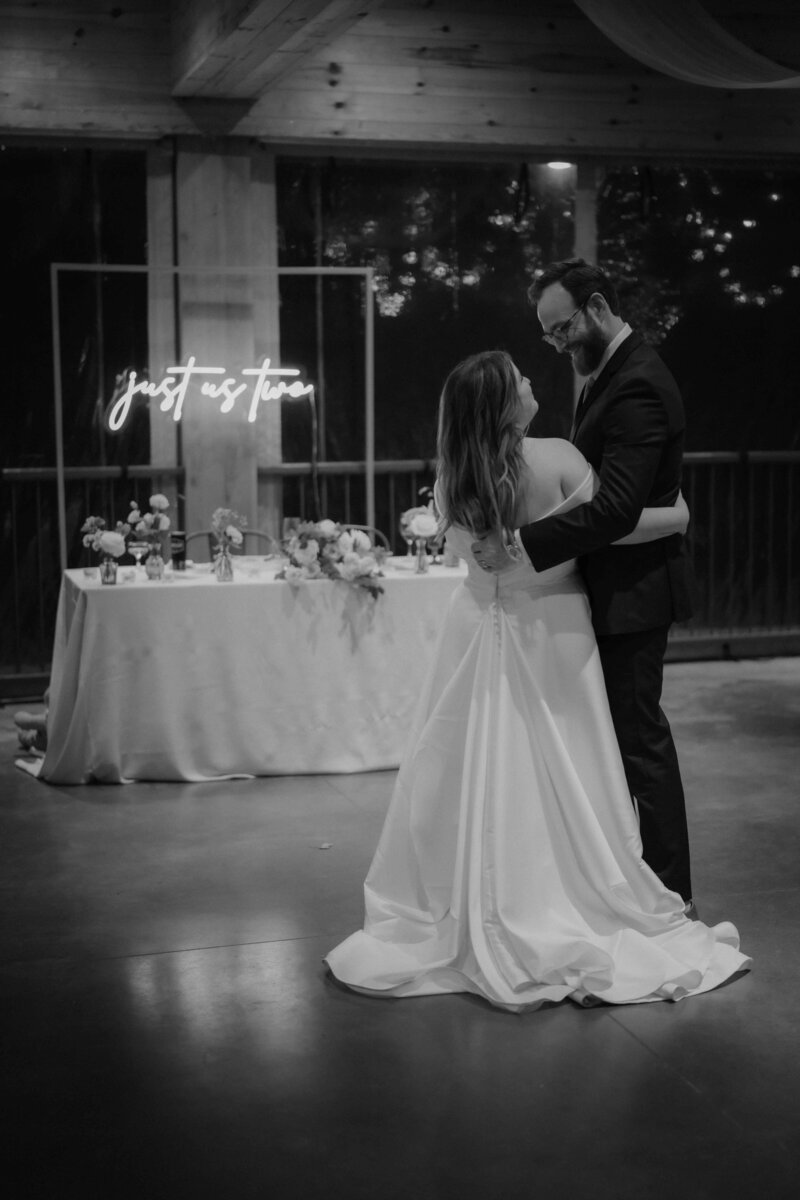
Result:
<point x="191" y="679"/>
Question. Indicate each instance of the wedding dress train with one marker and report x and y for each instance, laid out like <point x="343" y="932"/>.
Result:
<point x="510" y="863"/>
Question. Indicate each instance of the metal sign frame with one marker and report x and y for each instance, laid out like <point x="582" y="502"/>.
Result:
<point x="366" y="273"/>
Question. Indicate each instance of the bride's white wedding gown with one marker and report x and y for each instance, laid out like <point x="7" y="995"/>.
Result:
<point x="510" y="862"/>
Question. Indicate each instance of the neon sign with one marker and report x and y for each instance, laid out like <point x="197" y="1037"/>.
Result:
<point x="269" y="383"/>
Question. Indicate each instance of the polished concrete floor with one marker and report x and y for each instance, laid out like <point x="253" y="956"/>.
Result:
<point x="170" y="1030"/>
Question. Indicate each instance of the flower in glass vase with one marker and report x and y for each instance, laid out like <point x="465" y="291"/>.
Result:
<point x="110" y="544"/>
<point x="405" y="521"/>
<point x="419" y="525"/>
<point x="325" y="550"/>
<point x="149" y="529"/>
<point x="422" y="527"/>
<point x="227" y="526"/>
<point x="149" y="526"/>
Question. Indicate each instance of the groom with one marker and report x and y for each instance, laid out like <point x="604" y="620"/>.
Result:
<point x="629" y="424"/>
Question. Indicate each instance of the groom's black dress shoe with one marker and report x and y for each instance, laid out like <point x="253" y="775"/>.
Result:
<point x="690" y="910"/>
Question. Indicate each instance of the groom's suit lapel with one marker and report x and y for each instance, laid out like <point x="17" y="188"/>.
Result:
<point x="617" y="360"/>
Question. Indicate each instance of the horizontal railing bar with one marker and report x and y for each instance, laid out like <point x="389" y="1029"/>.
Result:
<point x="389" y="466"/>
<point x="50" y="474"/>
<point x="712" y="457"/>
<point x="157" y="269"/>
<point x="772" y="456"/>
<point x="347" y="467"/>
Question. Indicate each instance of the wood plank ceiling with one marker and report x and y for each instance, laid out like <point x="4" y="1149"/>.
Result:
<point x="455" y="77"/>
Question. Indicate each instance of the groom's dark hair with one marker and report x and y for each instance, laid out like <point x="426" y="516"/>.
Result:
<point x="579" y="278"/>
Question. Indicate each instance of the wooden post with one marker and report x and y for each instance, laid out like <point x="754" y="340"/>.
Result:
<point x="267" y="331"/>
<point x="211" y="203"/>
<point x="161" y="312"/>
<point x="590" y="178"/>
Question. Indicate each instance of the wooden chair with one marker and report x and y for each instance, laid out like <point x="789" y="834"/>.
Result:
<point x="258" y="539"/>
<point x="378" y="538"/>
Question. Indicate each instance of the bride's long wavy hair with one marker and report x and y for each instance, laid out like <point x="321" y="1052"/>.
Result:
<point x="480" y="445"/>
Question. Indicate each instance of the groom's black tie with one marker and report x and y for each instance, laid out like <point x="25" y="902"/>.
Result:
<point x="583" y="404"/>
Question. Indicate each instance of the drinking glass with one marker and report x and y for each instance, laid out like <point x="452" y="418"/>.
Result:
<point x="409" y="540"/>
<point x="138" y="549"/>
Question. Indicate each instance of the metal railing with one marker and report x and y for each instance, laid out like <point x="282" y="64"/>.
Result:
<point x="743" y="545"/>
<point x="339" y="490"/>
<point x="743" y="541"/>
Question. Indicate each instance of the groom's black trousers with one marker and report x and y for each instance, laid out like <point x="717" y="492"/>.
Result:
<point x="633" y="665"/>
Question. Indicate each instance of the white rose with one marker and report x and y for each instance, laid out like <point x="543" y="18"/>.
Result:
<point x="356" y="566"/>
<point x="407" y="516"/>
<point x="361" y="542"/>
<point x="111" y="542"/>
<point x="326" y="528"/>
<point x="306" y="555"/>
<point x="159" y="501"/>
<point x="235" y="535"/>
<point x="350" y="567"/>
<point x="423" y="525"/>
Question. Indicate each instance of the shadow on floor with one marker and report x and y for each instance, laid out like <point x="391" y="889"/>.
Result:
<point x="171" y="1032"/>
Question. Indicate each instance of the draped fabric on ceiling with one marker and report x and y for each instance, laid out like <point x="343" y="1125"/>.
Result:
<point x="681" y="39"/>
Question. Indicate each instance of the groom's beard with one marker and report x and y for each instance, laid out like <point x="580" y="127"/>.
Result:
<point x="586" y="355"/>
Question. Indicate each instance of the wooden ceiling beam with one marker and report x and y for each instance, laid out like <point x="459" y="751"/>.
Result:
<point x="232" y="49"/>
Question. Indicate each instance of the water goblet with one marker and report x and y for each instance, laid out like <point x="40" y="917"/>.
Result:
<point x="409" y="540"/>
<point x="138" y="549"/>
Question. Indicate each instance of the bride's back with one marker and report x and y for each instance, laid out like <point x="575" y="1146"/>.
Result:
<point x="556" y="477"/>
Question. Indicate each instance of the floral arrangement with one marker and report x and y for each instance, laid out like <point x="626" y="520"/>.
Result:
<point x="324" y="550"/>
<point x="423" y="524"/>
<point x="227" y="527"/>
<point x="421" y="521"/>
<point x="149" y="526"/>
<point x="110" y="543"/>
<point x="137" y="527"/>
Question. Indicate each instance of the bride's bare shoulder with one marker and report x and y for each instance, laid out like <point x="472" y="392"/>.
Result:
<point x="554" y="456"/>
<point x="557" y="466"/>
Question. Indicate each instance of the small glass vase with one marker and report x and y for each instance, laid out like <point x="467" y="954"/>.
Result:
<point x="223" y="566"/>
<point x="108" y="569"/>
<point x="154" y="565"/>
<point x="422" y="556"/>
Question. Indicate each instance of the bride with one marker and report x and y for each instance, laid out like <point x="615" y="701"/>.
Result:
<point x="510" y="864"/>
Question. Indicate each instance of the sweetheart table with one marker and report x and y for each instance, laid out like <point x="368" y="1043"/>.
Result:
<point x="190" y="679"/>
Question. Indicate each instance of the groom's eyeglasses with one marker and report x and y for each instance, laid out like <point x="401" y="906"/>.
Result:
<point x="559" y="333"/>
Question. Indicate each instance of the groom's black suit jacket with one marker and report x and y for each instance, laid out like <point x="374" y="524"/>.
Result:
<point x="632" y="432"/>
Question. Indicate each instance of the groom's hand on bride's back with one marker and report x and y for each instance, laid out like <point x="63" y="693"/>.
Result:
<point x="491" y="554"/>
